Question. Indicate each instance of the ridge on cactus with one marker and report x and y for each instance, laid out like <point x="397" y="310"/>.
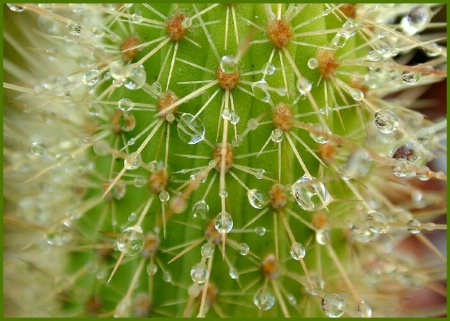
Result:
<point x="224" y="160"/>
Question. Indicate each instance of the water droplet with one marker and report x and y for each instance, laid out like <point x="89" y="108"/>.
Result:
<point x="74" y="29"/>
<point x="234" y="118"/>
<point x="136" y="77"/>
<point x="137" y="17"/>
<point x="131" y="241"/>
<point x="234" y="273"/>
<point x="226" y="114"/>
<point x="410" y="77"/>
<point x="132" y="161"/>
<point x="243" y="249"/>
<point x="164" y="196"/>
<point x="37" y="149"/>
<point x="123" y="308"/>
<point x="276" y="135"/>
<point x="261" y="91"/>
<point x="167" y="277"/>
<point x="156" y="88"/>
<point x="386" y="121"/>
<point x="127" y="122"/>
<point x="356" y="94"/>
<point x="91" y="77"/>
<point x="361" y="234"/>
<point x="313" y="63"/>
<point x="377" y="222"/>
<point x="131" y="141"/>
<point x="297" y="251"/>
<point x="152" y="269"/>
<point x="339" y="40"/>
<point x="256" y="198"/>
<point x="14" y="8"/>
<point x="125" y="104"/>
<point x="260" y="230"/>
<point x="132" y="217"/>
<point x="314" y="287"/>
<point x="414" y="226"/>
<point x="224" y="222"/>
<point x="291" y="298"/>
<point x="432" y="50"/>
<point x="60" y="234"/>
<point x="190" y="130"/>
<point x="264" y="299"/>
<point x="207" y="250"/>
<point x="97" y="33"/>
<point x="228" y="64"/>
<point x="416" y="20"/>
<point x="322" y="237"/>
<point x="422" y="173"/>
<point x="268" y="68"/>
<point x="116" y="70"/>
<point x="375" y="55"/>
<point x="282" y="91"/>
<point x="310" y="196"/>
<point x="364" y="310"/>
<point x="119" y="190"/>
<point x="223" y="193"/>
<point x="304" y="86"/>
<point x="199" y="273"/>
<point x="317" y="136"/>
<point x="333" y="305"/>
<point x="200" y="209"/>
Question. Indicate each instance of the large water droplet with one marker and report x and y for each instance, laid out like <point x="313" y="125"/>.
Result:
<point x="125" y="104"/>
<point x="297" y="251"/>
<point x="264" y="299"/>
<point x="37" y="149"/>
<point x="304" y="86"/>
<point x="256" y="198"/>
<point x="315" y="287"/>
<point x="416" y="20"/>
<point x="410" y="77"/>
<point x="361" y="234"/>
<point x="268" y="68"/>
<point x="152" y="269"/>
<point x="131" y="241"/>
<point x="339" y="40"/>
<point x="199" y="273"/>
<point x="322" y="237"/>
<point x="190" y="130"/>
<point x="260" y="230"/>
<point x="132" y="161"/>
<point x="59" y="235"/>
<point x="386" y="121"/>
<point x="228" y="64"/>
<point x="277" y="135"/>
<point x="313" y="63"/>
<point x="91" y="77"/>
<point x="207" y="250"/>
<point x="414" y="226"/>
<point x="333" y="305"/>
<point x="310" y="196"/>
<point x="136" y="77"/>
<point x="137" y="17"/>
<point x="234" y="117"/>
<point x="200" y="209"/>
<point x="243" y="249"/>
<point x="261" y="90"/>
<point x="224" y="222"/>
<point x="127" y="122"/>
<point x="234" y="273"/>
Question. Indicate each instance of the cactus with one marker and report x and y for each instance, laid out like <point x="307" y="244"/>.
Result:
<point x="224" y="160"/>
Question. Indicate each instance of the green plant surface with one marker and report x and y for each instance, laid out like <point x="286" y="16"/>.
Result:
<point x="223" y="160"/>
